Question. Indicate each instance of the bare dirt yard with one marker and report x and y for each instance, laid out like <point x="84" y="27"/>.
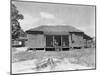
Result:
<point x="26" y="61"/>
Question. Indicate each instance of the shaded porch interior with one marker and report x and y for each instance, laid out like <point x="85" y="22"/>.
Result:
<point x="57" y="42"/>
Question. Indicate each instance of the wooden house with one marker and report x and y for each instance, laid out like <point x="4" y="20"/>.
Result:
<point x="19" y="41"/>
<point x="88" y="41"/>
<point x="55" y="38"/>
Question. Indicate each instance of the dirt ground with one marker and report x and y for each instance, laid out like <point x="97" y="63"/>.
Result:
<point x="24" y="61"/>
<point x="79" y="55"/>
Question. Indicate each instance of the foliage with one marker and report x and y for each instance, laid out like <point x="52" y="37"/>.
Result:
<point x="16" y="28"/>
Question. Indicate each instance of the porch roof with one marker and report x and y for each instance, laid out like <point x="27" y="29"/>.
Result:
<point x="87" y="37"/>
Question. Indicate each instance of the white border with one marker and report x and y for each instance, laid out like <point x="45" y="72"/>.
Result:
<point x="5" y="36"/>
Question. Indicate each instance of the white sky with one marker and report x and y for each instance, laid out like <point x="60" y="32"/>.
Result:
<point x="36" y="14"/>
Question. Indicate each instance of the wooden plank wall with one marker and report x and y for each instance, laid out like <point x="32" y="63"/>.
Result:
<point x="77" y="40"/>
<point x="35" y="41"/>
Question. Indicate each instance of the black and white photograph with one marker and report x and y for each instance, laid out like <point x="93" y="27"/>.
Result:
<point x="52" y="37"/>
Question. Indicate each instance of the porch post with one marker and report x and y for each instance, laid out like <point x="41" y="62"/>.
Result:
<point x="70" y="40"/>
<point x="61" y="43"/>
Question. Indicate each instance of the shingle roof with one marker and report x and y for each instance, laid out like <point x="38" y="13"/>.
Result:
<point x="60" y="28"/>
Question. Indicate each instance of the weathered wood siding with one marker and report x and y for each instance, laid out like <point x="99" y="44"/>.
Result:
<point x="77" y="40"/>
<point x="35" y="41"/>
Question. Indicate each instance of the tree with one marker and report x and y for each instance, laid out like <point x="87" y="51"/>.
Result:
<point x="16" y="28"/>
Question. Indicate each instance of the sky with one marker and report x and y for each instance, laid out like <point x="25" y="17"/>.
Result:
<point x="37" y="14"/>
